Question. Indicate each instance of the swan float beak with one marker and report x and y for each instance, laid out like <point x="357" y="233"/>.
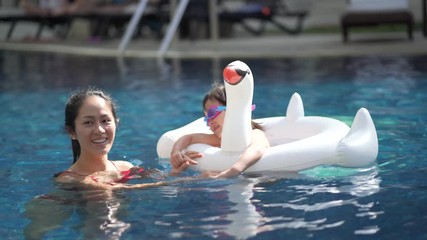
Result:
<point x="233" y="75"/>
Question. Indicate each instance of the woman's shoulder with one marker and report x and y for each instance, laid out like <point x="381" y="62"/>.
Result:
<point x="122" y="164"/>
<point x="68" y="176"/>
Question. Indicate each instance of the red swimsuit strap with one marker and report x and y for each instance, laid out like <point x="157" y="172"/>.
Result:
<point x="125" y="174"/>
<point x="130" y="173"/>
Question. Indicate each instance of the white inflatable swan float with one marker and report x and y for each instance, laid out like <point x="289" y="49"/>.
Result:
<point x="297" y="142"/>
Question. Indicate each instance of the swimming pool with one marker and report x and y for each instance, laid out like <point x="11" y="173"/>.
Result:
<point x="385" y="201"/>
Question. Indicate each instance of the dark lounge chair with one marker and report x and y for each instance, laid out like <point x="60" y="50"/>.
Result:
<point x="269" y="11"/>
<point x="103" y="19"/>
<point x="13" y="17"/>
<point x="362" y="13"/>
<point x="252" y="15"/>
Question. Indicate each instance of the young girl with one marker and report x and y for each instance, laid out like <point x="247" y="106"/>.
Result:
<point x="214" y="106"/>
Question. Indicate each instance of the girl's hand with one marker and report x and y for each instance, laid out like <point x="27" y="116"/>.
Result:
<point x="191" y="155"/>
<point x="181" y="161"/>
<point x="176" y="159"/>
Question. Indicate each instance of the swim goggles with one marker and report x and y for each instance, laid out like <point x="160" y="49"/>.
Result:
<point x="214" y="111"/>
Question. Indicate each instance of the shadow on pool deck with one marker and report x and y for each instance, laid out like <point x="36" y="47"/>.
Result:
<point x="267" y="46"/>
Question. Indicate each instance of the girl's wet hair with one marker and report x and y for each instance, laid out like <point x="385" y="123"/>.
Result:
<point x="72" y="108"/>
<point x="218" y="94"/>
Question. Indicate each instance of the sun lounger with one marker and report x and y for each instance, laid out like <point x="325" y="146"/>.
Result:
<point x="271" y="11"/>
<point x="13" y="16"/>
<point x="104" y="20"/>
<point x="375" y="12"/>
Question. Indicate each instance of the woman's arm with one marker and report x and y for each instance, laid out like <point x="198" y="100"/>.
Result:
<point x="154" y="184"/>
<point x="248" y="158"/>
<point x="89" y="182"/>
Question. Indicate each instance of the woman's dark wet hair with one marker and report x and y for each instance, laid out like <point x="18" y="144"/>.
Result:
<point x="218" y="94"/>
<point x="72" y="108"/>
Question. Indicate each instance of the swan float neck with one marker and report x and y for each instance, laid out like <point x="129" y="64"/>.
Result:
<point x="237" y="128"/>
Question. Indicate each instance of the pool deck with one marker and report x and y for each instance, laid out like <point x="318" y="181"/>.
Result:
<point x="267" y="46"/>
<point x="241" y="45"/>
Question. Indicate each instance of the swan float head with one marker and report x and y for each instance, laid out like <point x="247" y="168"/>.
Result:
<point x="239" y="86"/>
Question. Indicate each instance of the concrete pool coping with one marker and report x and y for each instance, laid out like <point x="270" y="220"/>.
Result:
<point x="267" y="46"/>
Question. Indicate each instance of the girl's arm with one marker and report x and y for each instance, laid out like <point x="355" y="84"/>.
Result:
<point x="248" y="158"/>
<point x="181" y="160"/>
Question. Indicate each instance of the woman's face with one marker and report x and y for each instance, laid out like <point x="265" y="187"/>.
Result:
<point x="95" y="127"/>
<point x="215" y="124"/>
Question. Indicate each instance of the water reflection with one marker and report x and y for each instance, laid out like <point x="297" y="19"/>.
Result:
<point x="396" y="71"/>
<point x="96" y="212"/>
<point x="243" y="208"/>
<point x="245" y="220"/>
<point x="311" y="206"/>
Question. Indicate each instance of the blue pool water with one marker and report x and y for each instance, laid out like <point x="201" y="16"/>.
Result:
<point x="384" y="201"/>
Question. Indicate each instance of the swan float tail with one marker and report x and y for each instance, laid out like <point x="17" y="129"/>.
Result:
<point x="295" y="108"/>
<point x="359" y="147"/>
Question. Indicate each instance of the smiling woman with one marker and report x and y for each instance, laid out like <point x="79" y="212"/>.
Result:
<point x="90" y="121"/>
